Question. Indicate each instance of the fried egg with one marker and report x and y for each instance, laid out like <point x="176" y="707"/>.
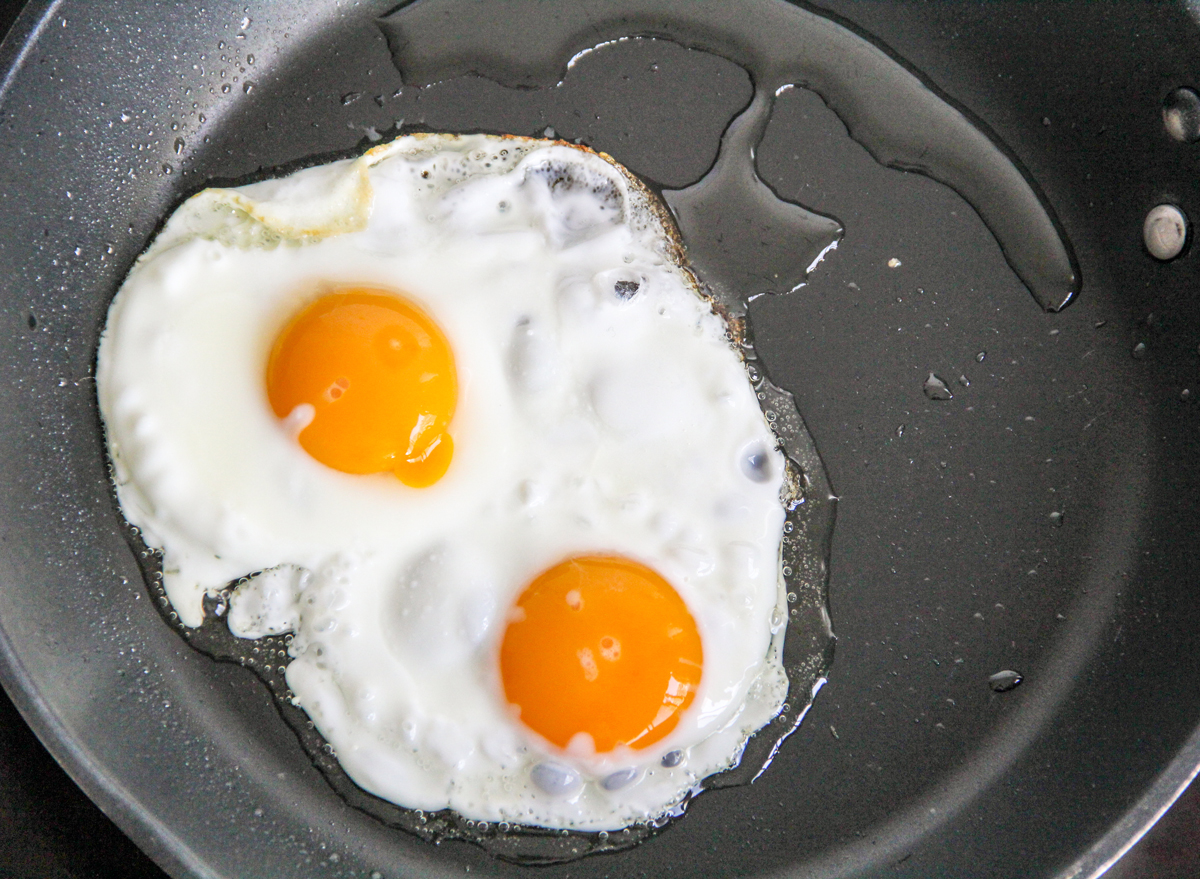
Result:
<point x="456" y="415"/>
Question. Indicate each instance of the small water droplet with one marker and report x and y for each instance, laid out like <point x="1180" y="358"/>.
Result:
<point x="672" y="758"/>
<point x="549" y="132"/>
<point x="1139" y="351"/>
<point x="1056" y="519"/>
<point x="1185" y="394"/>
<point x="249" y="59"/>
<point x="379" y="99"/>
<point x="1181" y="115"/>
<point x="900" y="430"/>
<point x="245" y="23"/>
<point x="1003" y="681"/>
<point x="1046" y="121"/>
<point x="894" y="263"/>
<point x="179" y="145"/>
<point x="935" y="388"/>
<point x="964" y="381"/>
<point x="350" y="97"/>
<point x="1098" y="324"/>
<point x="125" y="116"/>
<point x="225" y="89"/>
<point x="248" y="86"/>
<point x="979" y="358"/>
<point x="167" y="169"/>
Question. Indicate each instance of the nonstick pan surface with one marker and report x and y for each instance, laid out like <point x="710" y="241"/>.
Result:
<point x="947" y="565"/>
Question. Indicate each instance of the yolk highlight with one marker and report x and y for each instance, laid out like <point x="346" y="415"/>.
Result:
<point x="379" y="376"/>
<point x="602" y="646"/>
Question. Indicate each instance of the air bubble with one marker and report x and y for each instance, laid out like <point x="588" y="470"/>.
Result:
<point x="626" y="289"/>
<point x="554" y="778"/>
<point x="672" y="759"/>
<point x="619" y="779"/>
<point x="756" y="463"/>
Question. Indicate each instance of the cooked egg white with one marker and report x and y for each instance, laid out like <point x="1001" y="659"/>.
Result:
<point x="599" y="412"/>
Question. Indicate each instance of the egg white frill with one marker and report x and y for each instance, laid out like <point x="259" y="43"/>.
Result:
<point x="602" y="409"/>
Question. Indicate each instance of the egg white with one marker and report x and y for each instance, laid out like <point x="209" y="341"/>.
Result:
<point x="591" y="419"/>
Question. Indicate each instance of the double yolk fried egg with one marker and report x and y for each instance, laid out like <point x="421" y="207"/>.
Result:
<point x="455" y="415"/>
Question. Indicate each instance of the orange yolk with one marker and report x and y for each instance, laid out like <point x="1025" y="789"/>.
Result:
<point x="379" y="376"/>
<point x="603" y="646"/>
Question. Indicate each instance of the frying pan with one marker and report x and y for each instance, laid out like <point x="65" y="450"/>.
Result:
<point x="946" y="566"/>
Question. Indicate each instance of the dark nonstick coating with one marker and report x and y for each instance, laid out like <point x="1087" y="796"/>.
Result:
<point x="946" y="565"/>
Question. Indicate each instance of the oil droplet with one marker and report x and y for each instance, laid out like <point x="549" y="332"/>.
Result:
<point x="1165" y="232"/>
<point x="1003" y="681"/>
<point x="1181" y="115"/>
<point x="935" y="388"/>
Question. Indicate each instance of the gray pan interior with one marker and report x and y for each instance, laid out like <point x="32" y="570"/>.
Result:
<point x="946" y="564"/>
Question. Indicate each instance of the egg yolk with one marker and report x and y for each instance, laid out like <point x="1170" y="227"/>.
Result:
<point x="602" y="646"/>
<point x="379" y="376"/>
